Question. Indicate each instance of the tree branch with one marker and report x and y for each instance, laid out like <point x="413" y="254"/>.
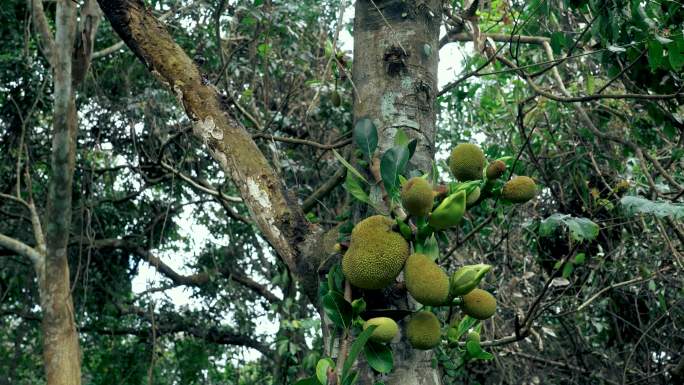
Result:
<point x="43" y="29"/>
<point x="21" y="248"/>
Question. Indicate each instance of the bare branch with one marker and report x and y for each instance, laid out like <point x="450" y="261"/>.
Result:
<point x="42" y="27"/>
<point x="21" y="248"/>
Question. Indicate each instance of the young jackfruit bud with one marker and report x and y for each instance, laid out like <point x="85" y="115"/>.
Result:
<point x="495" y="170"/>
<point x="479" y="304"/>
<point x="449" y="212"/>
<point x="335" y="99"/>
<point x="376" y="254"/>
<point x="519" y="189"/>
<point x="423" y="330"/>
<point x="385" y="331"/>
<point x="467" y="161"/>
<point x="417" y="196"/>
<point x="472" y="198"/>
<point x="452" y="335"/>
<point x="467" y="278"/>
<point x="426" y="281"/>
<point x="473" y="336"/>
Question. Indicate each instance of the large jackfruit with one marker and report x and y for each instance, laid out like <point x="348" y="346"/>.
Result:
<point x="385" y="331"/>
<point x="426" y="281"/>
<point x="417" y="197"/>
<point x="376" y="254"/>
<point x="467" y="162"/>
<point x="423" y="330"/>
<point x="479" y="304"/>
<point x="519" y="189"/>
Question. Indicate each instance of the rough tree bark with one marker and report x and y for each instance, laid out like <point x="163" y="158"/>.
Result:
<point x="396" y="45"/>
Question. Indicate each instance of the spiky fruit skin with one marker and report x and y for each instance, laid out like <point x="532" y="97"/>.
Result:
<point x="467" y="162"/>
<point x="376" y="254"/>
<point x="417" y="196"/>
<point x="519" y="189"/>
<point x="423" y="330"/>
<point x="426" y="281"/>
<point x="479" y="304"/>
<point x="385" y="331"/>
<point x="495" y="170"/>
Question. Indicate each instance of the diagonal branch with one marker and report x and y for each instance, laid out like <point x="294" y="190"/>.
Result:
<point x="282" y="223"/>
<point x="21" y="248"/>
<point x="42" y="27"/>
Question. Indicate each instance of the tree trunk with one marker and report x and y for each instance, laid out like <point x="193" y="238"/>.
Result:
<point x="395" y="76"/>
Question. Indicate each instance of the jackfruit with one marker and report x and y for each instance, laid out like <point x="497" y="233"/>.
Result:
<point x="472" y="198"/>
<point x="423" y="330"/>
<point x="376" y="254"/>
<point x="426" y="281"/>
<point x="519" y="189"/>
<point x="473" y="336"/>
<point x="385" y="331"/>
<point x="335" y="99"/>
<point x="467" y="278"/>
<point x="449" y="212"/>
<point x="495" y="170"/>
<point x="479" y="304"/>
<point x="467" y="162"/>
<point x="417" y="196"/>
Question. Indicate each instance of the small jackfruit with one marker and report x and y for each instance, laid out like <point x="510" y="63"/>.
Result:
<point x="519" y="189"/>
<point x="417" y="196"/>
<point x="495" y="170"/>
<point x="473" y="336"/>
<point x="426" y="281"/>
<point x="450" y="212"/>
<point x="385" y="331"/>
<point x="467" y="162"/>
<point x="472" y="198"/>
<point x="376" y="254"/>
<point x="479" y="304"/>
<point x="335" y="99"/>
<point x="423" y="330"/>
<point x="467" y="278"/>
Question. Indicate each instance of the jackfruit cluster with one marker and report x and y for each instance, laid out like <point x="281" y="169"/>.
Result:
<point x="423" y="330"/>
<point x="426" y="281"/>
<point x="479" y="304"/>
<point x="520" y="189"/>
<point x="376" y="254"/>
<point x="417" y="197"/>
<point x="467" y="162"/>
<point x="386" y="329"/>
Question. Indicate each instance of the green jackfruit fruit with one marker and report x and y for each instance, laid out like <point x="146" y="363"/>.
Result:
<point x="495" y="170"/>
<point x="479" y="304"/>
<point x="519" y="189"/>
<point x="426" y="281"/>
<point x="335" y="99"/>
<point x="472" y="198"/>
<point x="467" y="162"/>
<point x="473" y="336"/>
<point x="376" y="254"/>
<point x="417" y="196"/>
<point x="385" y="331"/>
<point x="467" y="278"/>
<point x="423" y="330"/>
<point x="450" y="212"/>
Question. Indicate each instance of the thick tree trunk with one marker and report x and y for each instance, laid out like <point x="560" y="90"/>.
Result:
<point x="395" y="75"/>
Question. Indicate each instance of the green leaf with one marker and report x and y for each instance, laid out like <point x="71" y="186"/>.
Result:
<point x="356" y="348"/>
<point x="579" y="258"/>
<point x="392" y="164"/>
<point x="379" y="357"/>
<point x="337" y="309"/>
<point x="557" y="42"/>
<point x="366" y="136"/>
<point x="429" y="247"/>
<point x="655" y="54"/>
<point x="475" y="350"/>
<point x="637" y="205"/>
<point x="353" y="186"/>
<point x="675" y="52"/>
<point x="567" y="270"/>
<point x="351" y="379"/>
<point x="466" y="323"/>
<point x="581" y="229"/>
<point x="348" y="166"/>
<point x="322" y="369"/>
